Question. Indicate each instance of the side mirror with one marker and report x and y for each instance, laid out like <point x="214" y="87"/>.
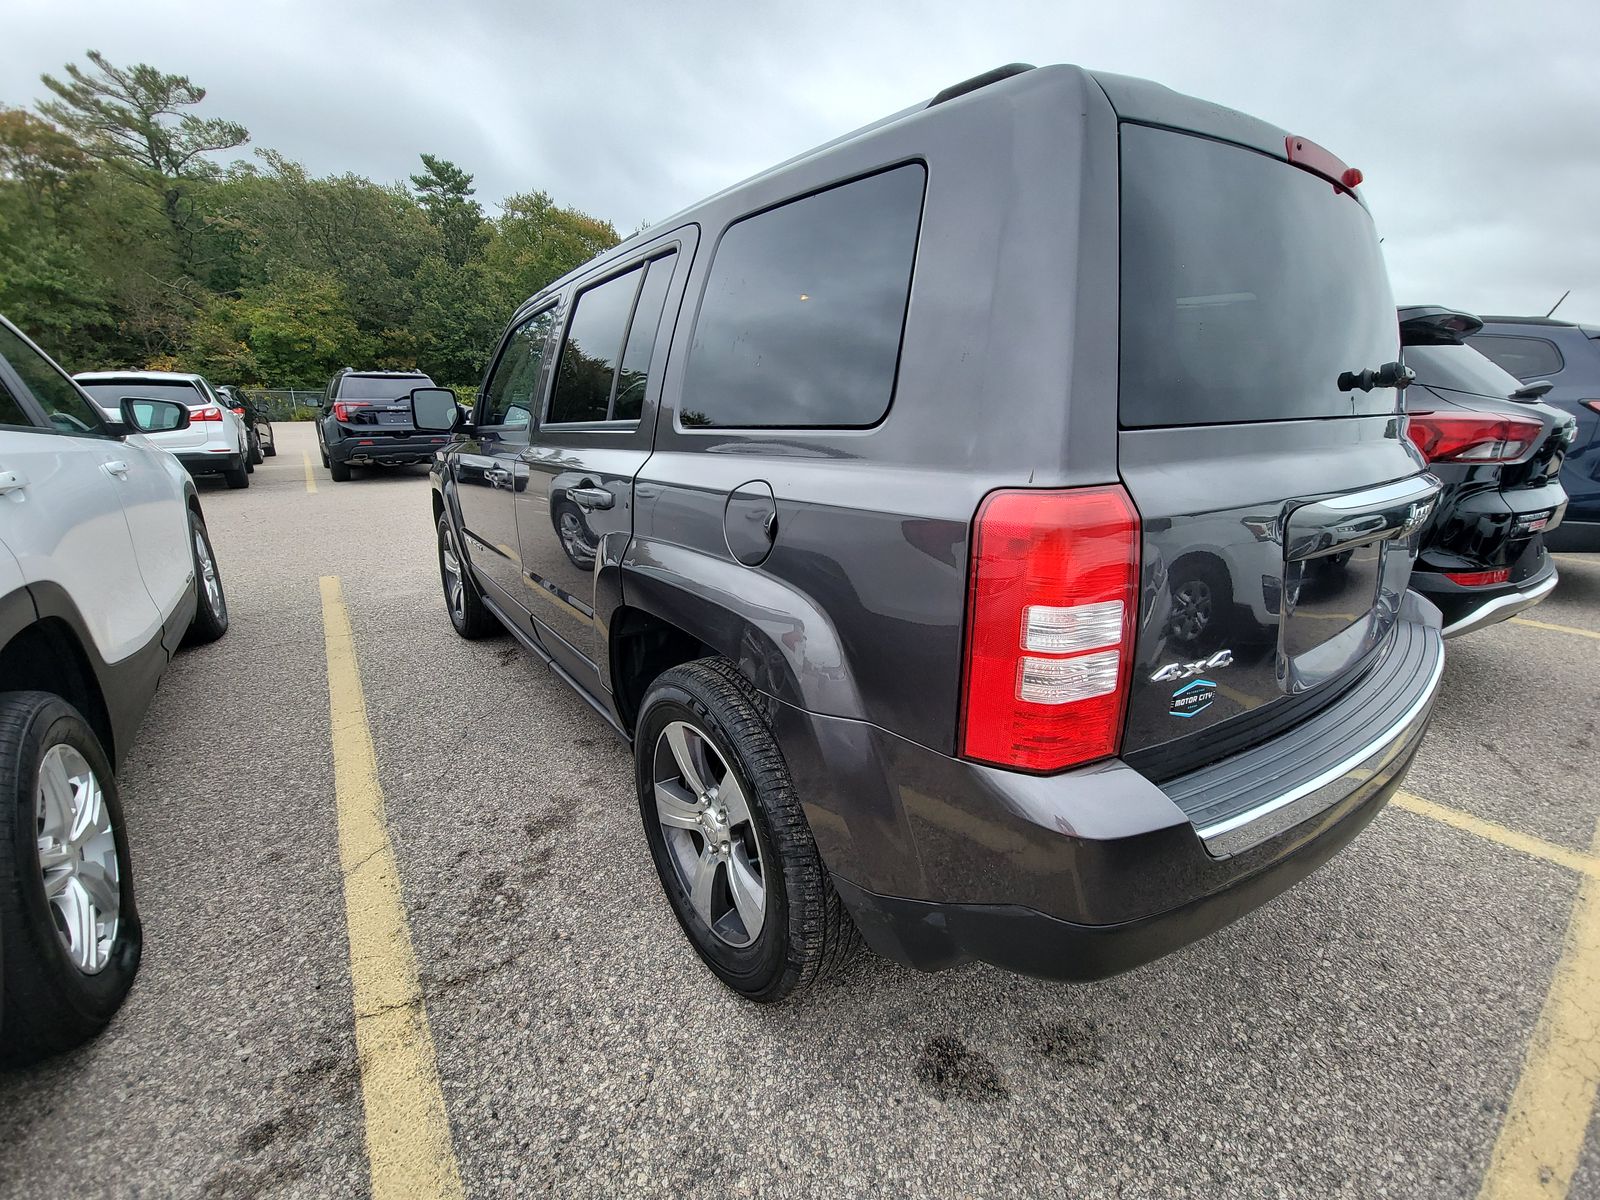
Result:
<point x="435" y="409"/>
<point x="154" y="416"/>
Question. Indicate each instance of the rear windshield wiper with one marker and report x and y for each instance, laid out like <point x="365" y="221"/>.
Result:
<point x="1390" y="375"/>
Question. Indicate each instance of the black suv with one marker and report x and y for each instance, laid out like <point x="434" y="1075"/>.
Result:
<point x="365" y="421"/>
<point x="1565" y="355"/>
<point x="892" y="463"/>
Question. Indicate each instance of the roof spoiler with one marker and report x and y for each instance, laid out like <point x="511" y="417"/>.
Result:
<point x="980" y="81"/>
<point x="1430" y="325"/>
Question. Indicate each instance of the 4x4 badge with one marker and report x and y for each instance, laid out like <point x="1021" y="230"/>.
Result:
<point x="1188" y="670"/>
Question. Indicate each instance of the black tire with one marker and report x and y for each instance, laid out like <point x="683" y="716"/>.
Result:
<point x="326" y="461"/>
<point x="238" y="476"/>
<point x="255" y="452"/>
<point x="340" y="471"/>
<point x="50" y="1004"/>
<point x="807" y="934"/>
<point x="472" y="620"/>
<point x="269" y="449"/>
<point x="210" y="614"/>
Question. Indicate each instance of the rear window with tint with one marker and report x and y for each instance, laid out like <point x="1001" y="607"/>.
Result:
<point x="375" y="387"/>
<point x="1524" y="357"/>
<point x="108" y="394"/>
<point x="1248" y="285"/>
<point x="801" y="321"/>
<point x="1461" y="369"/>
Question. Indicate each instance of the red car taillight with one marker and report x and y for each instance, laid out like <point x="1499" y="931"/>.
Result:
<point x="1050" y="619"/>
<point x="343" y="408"/>
<point x="238" y="412"/>
<point x="1591" y="405"/>
<point x="1472" y="437"/>
<point x="208" y="413"/>
<point x="1479" y="578"/>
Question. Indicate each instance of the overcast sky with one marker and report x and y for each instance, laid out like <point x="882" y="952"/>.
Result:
<point x="1477" y="124"/>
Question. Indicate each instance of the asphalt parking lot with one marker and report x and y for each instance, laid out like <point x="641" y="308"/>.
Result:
<point x="1419" y="1018"/>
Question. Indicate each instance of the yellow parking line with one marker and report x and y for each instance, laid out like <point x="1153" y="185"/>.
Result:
<point x="1588" y="633"/>
<point x="311" y="480"/>
<point x="409" y="1151"/>
<point x="1543" y="1135"/>
<point x="1573" y="860"/>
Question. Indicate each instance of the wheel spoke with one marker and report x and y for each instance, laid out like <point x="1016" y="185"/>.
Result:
<point x="683" y="755"/>
<point x="749" y="896"/>
<point x="731" y="796"/>
<point x="91" y="819"/>
<point x="675" y="807"/>
<point x="78" y="910"/>
<point x="56" y="884"/>
<point x="55" y="788"/>
<point x="705" y="876"/>
<point x="98" y="886"/>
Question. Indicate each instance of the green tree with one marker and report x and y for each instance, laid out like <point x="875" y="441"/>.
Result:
<point x="445" y="192"/>
<point x="536" y="242"/>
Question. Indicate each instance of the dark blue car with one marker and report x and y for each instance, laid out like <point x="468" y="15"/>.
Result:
<point x="1567" y="355"/>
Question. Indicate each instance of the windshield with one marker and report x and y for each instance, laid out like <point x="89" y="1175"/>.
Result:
<point x="380" y="387"/>
<point x="1248" y="285"/>
<point x="109" y="393"/>
<point x="1460" y="369"/>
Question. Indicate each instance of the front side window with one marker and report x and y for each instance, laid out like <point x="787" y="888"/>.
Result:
<point x="1524" y="357"/>
<point x="587" y="369"/>
<point x="11" y="412"/>
<point x="804" y="308"/>
<point x="510" y="398"/>
<point x="64" y="406"/>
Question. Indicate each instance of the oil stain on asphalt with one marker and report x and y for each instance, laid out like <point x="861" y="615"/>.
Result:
<point x="952" y="1071"/>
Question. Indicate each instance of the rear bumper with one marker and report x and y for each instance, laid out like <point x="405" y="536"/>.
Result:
<point x="1082" y="875"/>
<point x="357" y="451"/>
<point x="202" y="463"/>
<point x="1490" y="610"/>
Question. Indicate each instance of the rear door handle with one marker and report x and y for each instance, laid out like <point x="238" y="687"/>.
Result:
<point x="117" y="468"/>
<point x="591" y="497"/>
<point x="10" y="482"/>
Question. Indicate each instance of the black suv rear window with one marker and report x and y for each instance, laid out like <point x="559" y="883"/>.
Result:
<point x="1524" y="357"/>
<point x="1248" y="285"/>
<point x="1461" y="369"/>
<point x="800" y="326"/>
<point x="379" y="387"/>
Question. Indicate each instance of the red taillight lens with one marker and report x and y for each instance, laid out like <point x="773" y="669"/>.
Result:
<point x="1591" y="405"/>
<point x="1478" y="578"/>
<point x="238" y="412"/>
<point x="343" y="408"/>
<point x="208" y="413"/>
<point x="1471" y="437"/>
<point x="1050" y="618"/>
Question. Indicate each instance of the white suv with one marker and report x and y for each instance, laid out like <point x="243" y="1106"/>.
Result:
<point x="105" y="567"/>
<point x="215" y="442"/>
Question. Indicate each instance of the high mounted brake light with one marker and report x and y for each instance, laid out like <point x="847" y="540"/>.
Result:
<point x="1052" y="598"/>
<point x="1309" y="156"/>
<point x="1472" y="437"/>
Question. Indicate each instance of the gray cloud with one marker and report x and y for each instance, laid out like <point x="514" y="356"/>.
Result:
<point x="1475" y="125"/>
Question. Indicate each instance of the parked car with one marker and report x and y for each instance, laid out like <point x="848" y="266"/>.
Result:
<point x="365" y="421"/>
<point x="887" y="508"/>
<point x="105" y="567"/>
<point x="262" y="442"/>
<point x="1566" y="355"/>
<point x="1498" y="453"/>
<point x="214" y="442"/>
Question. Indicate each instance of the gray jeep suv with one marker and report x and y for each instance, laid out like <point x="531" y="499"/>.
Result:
<point x="900" y="472"/>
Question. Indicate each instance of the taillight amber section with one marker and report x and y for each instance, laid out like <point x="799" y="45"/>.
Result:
<point x="1051" y="607"/>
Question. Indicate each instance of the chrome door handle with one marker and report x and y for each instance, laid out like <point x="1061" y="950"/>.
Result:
<point x="117" y="468"/>
<point x="10" y="482"/>
<point x="591" y="497"/>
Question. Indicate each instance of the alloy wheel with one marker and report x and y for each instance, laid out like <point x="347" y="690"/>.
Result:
<point x="78" y="858"/>
<point x="710" y="838"/>
<point x="455" y="588"/>
<point x="210" y="580"/>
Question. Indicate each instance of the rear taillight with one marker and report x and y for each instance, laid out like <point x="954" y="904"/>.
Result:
<point x="208" y="413"/>
<point x="238" y="412"/>
<point x="1479" y="578"/>
<point x="1472" y="437"/>
<point x="343" y="408"/>
<point x="1050" y="618"/>
<point x="1591" y="405"/>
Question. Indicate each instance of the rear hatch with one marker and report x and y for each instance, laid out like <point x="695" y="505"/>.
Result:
<point x="108" y="395"/>
<point x="380" y="405"/>
<point x="1278" y="507"/>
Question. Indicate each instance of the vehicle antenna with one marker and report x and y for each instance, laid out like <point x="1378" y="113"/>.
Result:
<point x="1557" y="304"/>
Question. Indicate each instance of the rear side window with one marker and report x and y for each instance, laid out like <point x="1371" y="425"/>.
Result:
<point x="1524" y="357"/>
<point x="588" y="365"/>
<point x="804" y="308"/>
<point x="11" y="412"/>
<point x="511" y="397"/>
<point x="1248" y="286"/>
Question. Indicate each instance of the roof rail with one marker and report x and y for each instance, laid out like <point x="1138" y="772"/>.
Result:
<point x="1503" y="320"/>
<point x="980" y="81"/>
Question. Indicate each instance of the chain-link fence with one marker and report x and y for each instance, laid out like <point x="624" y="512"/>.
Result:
<point x="285" y="404"/>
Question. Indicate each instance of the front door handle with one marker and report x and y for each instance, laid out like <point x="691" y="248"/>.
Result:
<point x="10" y="482"/>
<point x="117" y="468"/>
<point x="591" y="497"/>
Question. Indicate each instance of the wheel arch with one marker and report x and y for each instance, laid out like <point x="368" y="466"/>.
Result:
<point x="46" y="655"/>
